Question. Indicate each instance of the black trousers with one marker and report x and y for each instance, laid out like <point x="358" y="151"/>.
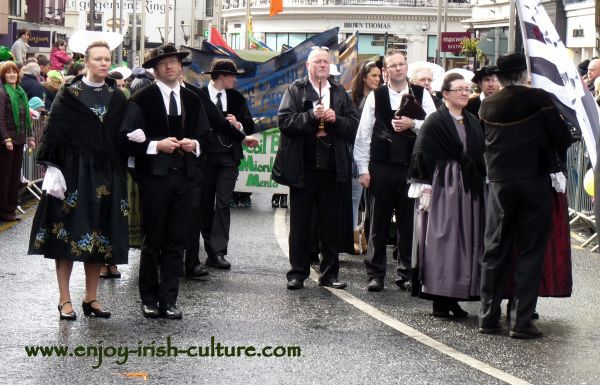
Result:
<point x="192" y="248"/>
<point x="165" y="203"/>
<point x="10" y="178"/>
<point x="389" y="195"/>
<point x="321" y="191"/>
<point x="518" y="215"/>
<point x="220" y="172"/>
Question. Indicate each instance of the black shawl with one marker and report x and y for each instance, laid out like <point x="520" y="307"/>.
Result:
<point x="73" y="127"/>
<point x="438" y="144"/>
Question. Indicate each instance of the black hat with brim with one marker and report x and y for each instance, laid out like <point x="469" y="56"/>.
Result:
<point x="483" y="72"/>
<point x="225" y="67"/>
<point x="163" y="52"/>
<point x="511" y="63"/>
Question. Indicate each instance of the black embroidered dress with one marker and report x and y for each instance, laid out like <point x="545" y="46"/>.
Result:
<point x="90" y="224"/>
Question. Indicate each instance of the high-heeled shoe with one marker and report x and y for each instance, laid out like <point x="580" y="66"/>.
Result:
<point x="89" y="310"/>
<point x="70" y="316"/>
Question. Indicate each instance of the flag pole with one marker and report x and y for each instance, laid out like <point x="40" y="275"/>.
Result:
<point x="511" y="26"/>
<point x="246" y="40"/>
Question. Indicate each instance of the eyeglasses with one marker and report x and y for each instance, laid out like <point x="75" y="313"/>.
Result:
<point x="394" y="66"/>
<point x="317" y="47"/>
<point x="461" y="90"/>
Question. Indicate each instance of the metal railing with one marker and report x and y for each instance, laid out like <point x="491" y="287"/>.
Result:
<point x="581" y="205"/>
<point x="241" y="4"/>
<point x="33" y="173"/>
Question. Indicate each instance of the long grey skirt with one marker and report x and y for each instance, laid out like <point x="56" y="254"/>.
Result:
<point x="453" y="247"/>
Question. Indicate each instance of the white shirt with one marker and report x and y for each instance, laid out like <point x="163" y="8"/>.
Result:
<point x="362" y="144"/>
<point x="325" y="86"/>
<point x="165" y="91"/>
<point x="212" y="92"/>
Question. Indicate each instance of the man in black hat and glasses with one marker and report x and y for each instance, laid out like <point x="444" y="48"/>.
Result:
<point x="220" y="171"/>
<point x="488" y="84"/>
<point x="524" y="136"/>
<point x="165" y="129"/>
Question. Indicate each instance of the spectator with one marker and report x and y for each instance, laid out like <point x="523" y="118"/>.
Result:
<point x="30" y="81"/>
<point x="59" y="57"/>
<point x="76" y="69"/>
<point x="20" y="47"/>
<point x="593" y="72"/>
<point x="44" y="64"/>
<point x="142" y="78"/>
<point x="52" y="85"/>
<point x="37" y="108"/>
<point x="15" y="130"/>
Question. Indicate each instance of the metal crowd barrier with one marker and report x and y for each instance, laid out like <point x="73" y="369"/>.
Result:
<point x="581" y="206"/>
<point x="33" y="173"/>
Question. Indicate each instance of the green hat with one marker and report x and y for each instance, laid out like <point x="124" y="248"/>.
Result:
<point x="5" y="54"/>
<point x="54" y="74"/>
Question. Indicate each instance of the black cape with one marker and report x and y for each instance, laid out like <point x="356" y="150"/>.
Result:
<point x="438" y="144"/>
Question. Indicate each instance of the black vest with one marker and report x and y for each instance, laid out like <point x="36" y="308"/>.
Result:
<point x="318" y="153"/>
<point x="388" y="146"/>
<point x="157" y="124"/>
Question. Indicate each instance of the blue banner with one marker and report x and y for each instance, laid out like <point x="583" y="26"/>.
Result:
<point x="263" y="84"/>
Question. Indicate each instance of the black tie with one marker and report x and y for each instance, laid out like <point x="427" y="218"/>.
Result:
<point x="173" y="105"/>
<point x="219" y="103"/>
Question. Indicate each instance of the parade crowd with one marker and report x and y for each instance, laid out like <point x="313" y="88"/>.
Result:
<point x="469" y="185"/>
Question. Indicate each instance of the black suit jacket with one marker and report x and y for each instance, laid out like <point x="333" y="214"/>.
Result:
<point x="525" y="136"/>
<point x="146" y="110"/>
<point x="238" y="107"/>
<point x="473" y="105"/>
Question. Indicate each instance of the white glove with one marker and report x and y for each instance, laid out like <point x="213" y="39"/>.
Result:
<point x="137" y="136"/>
<point x="54" y="183"/>
<point x="559" y="182"/>
<point x="424" y="198"/>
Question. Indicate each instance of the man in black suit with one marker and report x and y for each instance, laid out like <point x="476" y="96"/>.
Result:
<point x="220" y="171"/>
<point x="524" y="137"/>
<point x="488" y="84"/>
<point x="167" y="131"/>
<point x="225" y="129"/>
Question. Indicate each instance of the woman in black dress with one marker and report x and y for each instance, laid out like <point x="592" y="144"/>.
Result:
<point x="83" y="214"/>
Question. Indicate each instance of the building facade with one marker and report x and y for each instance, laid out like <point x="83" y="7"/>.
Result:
<point x="411" y="24"/>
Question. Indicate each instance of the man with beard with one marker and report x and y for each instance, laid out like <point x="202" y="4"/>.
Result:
<point x="488" y="84"/>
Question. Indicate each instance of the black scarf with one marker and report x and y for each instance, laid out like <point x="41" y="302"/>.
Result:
<point x="73" y="127"/>
<point x="438" y="144"/>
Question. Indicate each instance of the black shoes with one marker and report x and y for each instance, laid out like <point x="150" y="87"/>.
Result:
<point x="110" y="271"/>
<point x="295" y="284"/>
<point x="150" y="311"/>
<point x="88" y="310"/>
<point x="442" y="309"/>
<point x="283" y="202"/>
<point x="171" y="312"/>
<point x="70" y="316"/>
<point x="197" y="273"/>
<point x="168" y="311"/>
<point x="375" y="285"/>
<point x="218" y="262"/>
<point x="333" y="284"/>
<point x="404" y="285"/>
<point x="495" y="329"/>
<point x="529" y="332"/>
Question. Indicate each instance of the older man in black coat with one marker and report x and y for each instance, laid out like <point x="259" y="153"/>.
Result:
<point x="317" y="121"/>
<point x="524" y="135"/>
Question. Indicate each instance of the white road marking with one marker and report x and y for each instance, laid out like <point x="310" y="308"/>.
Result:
<point x="281" y="234"/>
